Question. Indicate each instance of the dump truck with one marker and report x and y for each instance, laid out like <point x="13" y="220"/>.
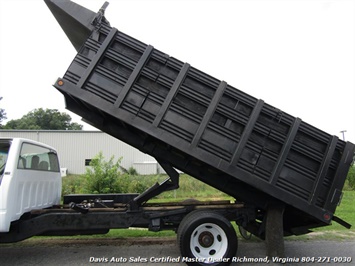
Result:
<point x="285" y="175"/>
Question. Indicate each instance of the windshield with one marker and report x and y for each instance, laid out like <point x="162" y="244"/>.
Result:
<point x="4" y="150"/>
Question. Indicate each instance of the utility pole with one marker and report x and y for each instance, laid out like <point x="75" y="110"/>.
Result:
<point x="343" y="132"/>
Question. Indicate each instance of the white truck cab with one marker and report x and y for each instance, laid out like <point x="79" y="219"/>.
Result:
<point x="29" y="178"/>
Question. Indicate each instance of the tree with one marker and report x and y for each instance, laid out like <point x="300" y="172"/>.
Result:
<point x="2" y="114"/>
<point x="49" y="119"/>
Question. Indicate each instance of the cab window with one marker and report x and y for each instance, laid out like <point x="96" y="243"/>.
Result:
<point x="34" y="157"/>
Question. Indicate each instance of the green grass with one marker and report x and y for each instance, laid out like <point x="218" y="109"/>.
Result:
<point x="346" y="210"/>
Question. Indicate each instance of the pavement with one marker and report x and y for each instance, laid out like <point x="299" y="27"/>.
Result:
<point x="164" y="251"/>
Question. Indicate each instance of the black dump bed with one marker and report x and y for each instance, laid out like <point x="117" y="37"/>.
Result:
<point x="198" y="124"/>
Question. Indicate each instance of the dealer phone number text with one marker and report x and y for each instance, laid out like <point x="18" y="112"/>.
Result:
<point x="326" y="259"/>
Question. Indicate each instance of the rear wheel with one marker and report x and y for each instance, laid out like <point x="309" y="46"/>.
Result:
<point x="207" y="238"/>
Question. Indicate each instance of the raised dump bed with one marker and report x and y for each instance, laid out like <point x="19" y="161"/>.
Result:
<point x="201" y="125"/>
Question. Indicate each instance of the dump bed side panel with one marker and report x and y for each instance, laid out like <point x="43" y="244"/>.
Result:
<point x="177" y="113"/>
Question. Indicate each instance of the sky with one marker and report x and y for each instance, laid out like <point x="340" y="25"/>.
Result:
<point x="298" y="56"/>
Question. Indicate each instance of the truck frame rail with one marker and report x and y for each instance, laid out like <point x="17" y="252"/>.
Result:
<point x="70" y="219"/>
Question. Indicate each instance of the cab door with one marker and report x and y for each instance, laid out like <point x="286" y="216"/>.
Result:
<point x="38" y="178"/>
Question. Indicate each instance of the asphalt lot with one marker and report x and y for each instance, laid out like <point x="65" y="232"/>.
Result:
<point x="164" y="252"/>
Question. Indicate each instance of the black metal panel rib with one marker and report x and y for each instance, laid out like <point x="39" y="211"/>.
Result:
<point x="247" y="131"/>
<point x="135" y="73"/>
<point x="95" y="60"/>
<point x="285" y="150"/>
<point x="209" y="113"/>
<point x="177" y="83"/>
<point x="338" y="182"/>
<point x="323" y="170"/>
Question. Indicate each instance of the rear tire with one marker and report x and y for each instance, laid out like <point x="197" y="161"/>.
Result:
<point x="207" y="238"/>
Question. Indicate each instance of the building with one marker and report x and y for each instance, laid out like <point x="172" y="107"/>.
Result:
<point x="76" y="148"/>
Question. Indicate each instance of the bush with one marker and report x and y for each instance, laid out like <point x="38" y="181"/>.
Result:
<point x="103" y="176"/>
<point x="129" y="171"/>
<point x="73" y="184"/>
<point x="110" y="177"/>
<point x="132" y="171"/>
<point x="136" y="186"/>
